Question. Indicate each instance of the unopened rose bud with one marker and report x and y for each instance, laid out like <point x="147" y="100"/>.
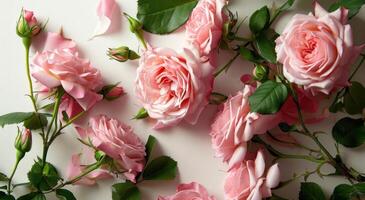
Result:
<point x="23" y="143"/>
<point x="122" y="54"/>
<point x="114" y="93"/>
<point x="134" y="25"/>
<point x="260" y="73"/>
<point x="28" y="25"/>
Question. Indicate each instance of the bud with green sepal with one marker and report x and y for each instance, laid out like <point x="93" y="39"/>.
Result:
<point x="28" y="26"/>
<point x="23" y="143"/>
<point x="261" y="73"/>
<point x="122" y="54"/>
<point x="135" y="27"/>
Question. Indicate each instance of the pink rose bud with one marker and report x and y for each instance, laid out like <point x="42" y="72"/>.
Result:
<point x="114" y="93"/>
<point x="122" y="54"/>
<point x="28" y="25"/>
<point x="23" y="143"/>
<point x="134" y="25"/>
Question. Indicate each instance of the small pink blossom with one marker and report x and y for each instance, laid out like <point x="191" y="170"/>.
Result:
<point x="115" y="93"/>
<point x="204" y="28"/>
<point x="191" y="191"/>
<point x="32" y="26"/>
<point x="249" y="182"/>
<point x="235" y="125"/>
<point x="317" y="50"/>
<point x="118" y="141"/>
<point x="75" y="168"/>
<point x="173" y="87"/>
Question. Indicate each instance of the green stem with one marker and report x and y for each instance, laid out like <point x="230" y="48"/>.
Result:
<point x="292" y="143"/>
<point x="88" y="170"/>
<point x="27" y="42"/>
<point x="141" y="39"/>
<point x="13" y="173"/>
<point x="279" y="154"/>
<point x="357" y="67"/>
<point x="226" y="66"/>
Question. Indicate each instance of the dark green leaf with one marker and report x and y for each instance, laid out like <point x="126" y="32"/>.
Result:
<point x="149" y="146"/>
<point x="268" y="98"/>
<point x="250" y="55"/>
<point x="161" y="168"/>
<point x="36" y="121"/>
<point x="354" y="6"/>
<point x="266" y="48"/>
<point x="348" y="192"/>
<point x="142" y="113"/>
<point x="311" y="191"/>
<point x="349" y="132"/>
<point x="4" y="196"/>
<point x="43" y="178"/>
<point x="217" y="98"/>
<point x="125" y="191"/>
<point x="64" y="194"/>
<point x="14" y="118"/>
<point x="336" y="107"/>
<point x="164" y="16"/>
<point x="354" y="99"/>
<point x="3" y="187"/>
<point x="33" y="196"/>
<point x="259" y="20"/>
<point x="3" y="177"/>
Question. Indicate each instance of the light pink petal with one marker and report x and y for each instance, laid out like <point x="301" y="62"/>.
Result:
<point x="238" y="156"/>
<point x="259" y="164"/>
<point x="49" y="41"/>
<point x="105" y="12"/>
<point x="319" y="11"/>
<point x="273" y="176"/>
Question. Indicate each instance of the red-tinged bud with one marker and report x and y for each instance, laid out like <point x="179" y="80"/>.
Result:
<point x="122" y="54"/>
<point x="114" y="93"/>
<point x="28" y="25"/>
<point x="23" y="143"/>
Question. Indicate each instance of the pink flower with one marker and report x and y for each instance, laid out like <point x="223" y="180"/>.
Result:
<point x="317" y="50"/>
<point x="114" y="93"/>
<point x="248" y="181"/>
<point x="191" y="191"/>
<point x="117" y="141"/>
<point x="235" y="125"/>
<point x="173" y="87"/>
<point x="204" y="28"/>
<point x="31" y="27"/>
<point x="75" y="168"/>
<point x="70" y="106"/>
<point x="62" y="66"/>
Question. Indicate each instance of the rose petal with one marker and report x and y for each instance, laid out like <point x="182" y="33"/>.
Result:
<point x="105" y="12"/>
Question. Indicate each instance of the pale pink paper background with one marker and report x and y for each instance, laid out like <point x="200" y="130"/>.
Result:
<point x="189" y="145"/>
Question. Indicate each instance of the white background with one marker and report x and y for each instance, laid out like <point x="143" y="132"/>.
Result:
<point x="189" y="145"/>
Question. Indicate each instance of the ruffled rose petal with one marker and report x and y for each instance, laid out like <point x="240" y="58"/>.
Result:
<point x="105" y="12"/>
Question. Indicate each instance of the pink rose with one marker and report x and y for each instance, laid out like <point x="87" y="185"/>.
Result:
<point x="317" y="50"/>
<point x="114" y="93"/>
<point x="204" y="28"/>
<point x="62" y="66"/>
<point x="70" y="106"/>
<point x="75" y="168"/>
<point x="117" y="141"/>
<point x="235" y="125"/>
<point x="191" y="191"/>
<point x="248" y="181"/>
<point x="173" y="87"/>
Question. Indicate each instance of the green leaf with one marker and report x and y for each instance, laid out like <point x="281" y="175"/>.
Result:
<point x="311" y="191"/>
<point x="349" y="132"/>
<point x="64" y="194"/>
<point x="3" y="187"/>
<point x="164" y="16"/>
<point x="250" y="55"/>
<point x="149" y="146"/>
<point x="14" y="118"/>
<point x="36" y="121"/>
<point x="217" y="98"/>
<point x="266" y="48"/>
<point x="268" y="97"/>
<point x="33" y="196"/>
<point x="142" y="113"/>
<point x="354" y="6"/>
<point x="348" y="192"/>
<point x="3" y="177"/>
<point x="4" y="196"/>
<point x="125" y="191"/>
<point x="259" y="20"/>
<point x="354" y="99"/>
<point x="43" y="178"/>
<point x="161" y="168"/>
